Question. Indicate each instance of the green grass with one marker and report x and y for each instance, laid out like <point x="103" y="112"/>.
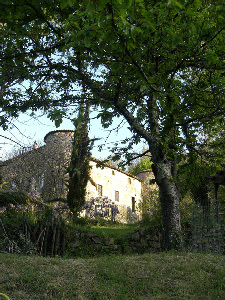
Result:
<point x="163" y="276"/>
<point x="109" y="229"/>
<point x="115" y="231"/>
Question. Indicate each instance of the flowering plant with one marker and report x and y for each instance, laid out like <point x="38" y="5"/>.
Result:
<point x="101" y="207"/>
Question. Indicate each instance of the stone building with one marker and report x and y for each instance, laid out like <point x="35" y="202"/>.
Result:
<point x="43" y="171"/>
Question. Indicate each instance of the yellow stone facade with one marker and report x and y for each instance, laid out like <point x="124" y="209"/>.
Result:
<point x="43" y="171"/>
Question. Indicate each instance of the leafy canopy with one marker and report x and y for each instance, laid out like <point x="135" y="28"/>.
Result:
<point x="159" y="64"/>
<point x="140" y="165"/>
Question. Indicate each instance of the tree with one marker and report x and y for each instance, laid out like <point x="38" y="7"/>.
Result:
<point x="140" y="164"/>
<point x="158" y="64"/>
<point x="79" y="167"/>
<point x="193" y="182"/>
<point x="198" y="164"/>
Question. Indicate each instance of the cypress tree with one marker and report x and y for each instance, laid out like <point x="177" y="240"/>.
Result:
<point x="79" y="167"/>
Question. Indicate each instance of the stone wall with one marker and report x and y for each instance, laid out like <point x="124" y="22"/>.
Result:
<point x="147" y="177"/>
<point x="90" y="243"/>
<point x="58" y="150"/>
<point x="122" y="188"/>
<point x="23" y="172"/>
<point x="43" y="171"/>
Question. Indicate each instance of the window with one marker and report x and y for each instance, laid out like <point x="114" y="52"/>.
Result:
<point x="116" y="195"/>
<point x="133" y="204"/>
<point x="129" y="180"/>
<point x="99" y="189"/>
<point x="41" y="180"/>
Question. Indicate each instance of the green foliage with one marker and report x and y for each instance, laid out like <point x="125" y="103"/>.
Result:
<point x="141" y="165"/>
<point x="88" y="223"/>
<point x="57" y="116"/>
<point x="36" y="228"/>
<point x="158" y="64"/>
<point x="5" y="296"/>
<point x="169" y="48"/>
<point x="79" y="168"/>
<point x="193" y="173"/>
<point x="113" y="230"/>
<point x="2" y="183"/>
<point x="14" y="198"/>
<point x="151" y="210"/>
<point x="12" y="217"/>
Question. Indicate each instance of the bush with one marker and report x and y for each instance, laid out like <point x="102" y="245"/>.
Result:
<point x="151" y="209"/>
<point x="14" y="198"/>
<point x="101" y="207"/>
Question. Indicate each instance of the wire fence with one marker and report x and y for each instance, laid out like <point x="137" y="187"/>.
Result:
<point x="207" y="229"/>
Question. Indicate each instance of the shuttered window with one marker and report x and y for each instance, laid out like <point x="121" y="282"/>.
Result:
<point x="117" y="196"/>
<point x="100" y="189"/>
<point x="133" y="204"/>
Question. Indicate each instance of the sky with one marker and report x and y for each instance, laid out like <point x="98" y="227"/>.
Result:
<point x="26" y="129"/>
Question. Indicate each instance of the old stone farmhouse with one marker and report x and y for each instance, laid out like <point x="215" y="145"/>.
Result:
<point x="42" y="171"/>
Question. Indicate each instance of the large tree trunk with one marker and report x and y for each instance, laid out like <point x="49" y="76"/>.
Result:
<point x="163" y="168"/>
<point x="170" y="200"/>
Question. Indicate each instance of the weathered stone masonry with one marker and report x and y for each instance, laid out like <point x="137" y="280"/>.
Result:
<point x="43" y="171"/>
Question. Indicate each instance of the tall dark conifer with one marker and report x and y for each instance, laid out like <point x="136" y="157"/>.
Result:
<point x="79" y="167"/>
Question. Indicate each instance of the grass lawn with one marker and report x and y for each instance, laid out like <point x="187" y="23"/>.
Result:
<point x="115" y="231"/>
<point x="149" y="276"/>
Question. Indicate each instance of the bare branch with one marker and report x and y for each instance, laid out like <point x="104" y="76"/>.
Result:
<point x="11" y="140"/>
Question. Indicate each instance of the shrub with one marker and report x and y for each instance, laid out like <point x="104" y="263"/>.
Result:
<point x="101" y="207"/>
<point x="151" y="209"/>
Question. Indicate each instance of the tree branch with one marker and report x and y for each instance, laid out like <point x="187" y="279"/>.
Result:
<point x="11" y="140"/>
<point x="206" y="116"/>
<point x="137" y="156"/>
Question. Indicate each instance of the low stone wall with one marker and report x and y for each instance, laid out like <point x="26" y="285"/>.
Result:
<point x="91" y="244"/>
<point x="145" y="240"/>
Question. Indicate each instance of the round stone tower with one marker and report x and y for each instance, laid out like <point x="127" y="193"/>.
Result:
<point x="59" y="144"/>
<point x="146" y="176"/>
<point x="57" y="155"/>
<point x="59" y="138"/>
